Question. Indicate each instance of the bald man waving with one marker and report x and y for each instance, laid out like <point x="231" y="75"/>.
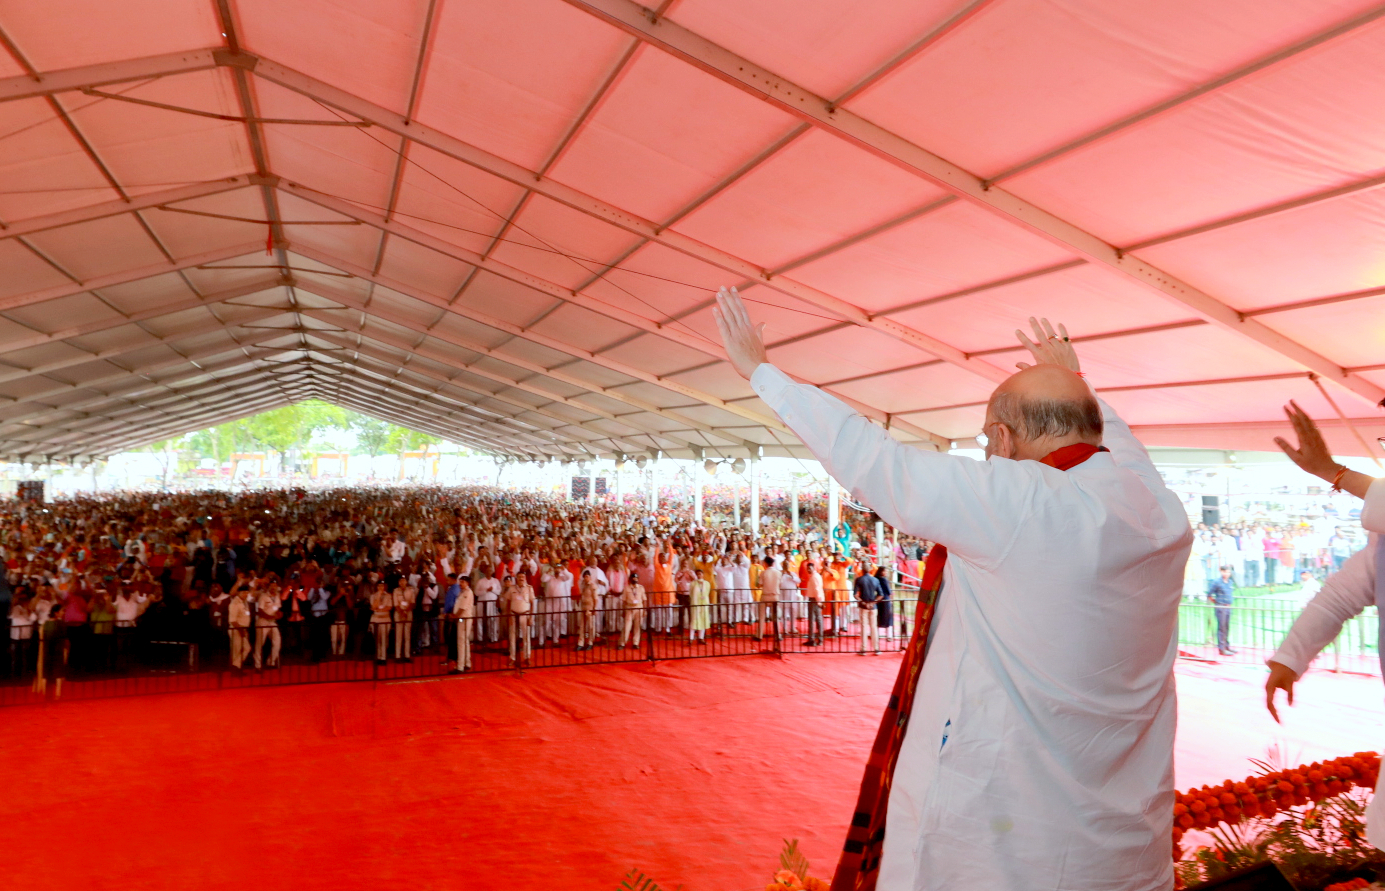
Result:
<point x="1028" y="745"/>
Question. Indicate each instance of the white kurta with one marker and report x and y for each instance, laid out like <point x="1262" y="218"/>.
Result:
<point x="1039" y="755"/>
<point x="1345" y="594"/>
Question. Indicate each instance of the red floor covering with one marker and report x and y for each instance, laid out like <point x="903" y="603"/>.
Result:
<point x="561" y="778"/>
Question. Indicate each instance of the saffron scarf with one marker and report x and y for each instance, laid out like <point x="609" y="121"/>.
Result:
<point x="859" y="865"/>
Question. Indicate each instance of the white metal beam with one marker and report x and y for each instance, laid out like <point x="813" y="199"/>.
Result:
<point x="64" y="80"/>
<point x="133" y="373"/>
<point x="455" y="148"/>
<point x="7" y="375"/>
<point x="125" y="277"/>
<point x="743" y="74"/>
<point x="143" y="315"/>
<point x="617" y="442"/>
<point x="544" y="340"/>
<point x="120" y="206"/>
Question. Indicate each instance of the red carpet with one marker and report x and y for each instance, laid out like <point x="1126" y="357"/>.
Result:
<point x="563" y="778"/>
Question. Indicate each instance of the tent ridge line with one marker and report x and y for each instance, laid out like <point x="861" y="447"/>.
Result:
<point x="703" y="54"/>
<point x="306" y="85"/>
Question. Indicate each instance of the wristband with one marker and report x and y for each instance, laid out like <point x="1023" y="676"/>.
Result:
<point x="1337" y="479"/>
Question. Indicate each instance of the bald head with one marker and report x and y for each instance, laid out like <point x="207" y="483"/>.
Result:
<point x="1039" y="409"/>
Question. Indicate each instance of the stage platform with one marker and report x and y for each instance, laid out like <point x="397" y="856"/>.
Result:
<point x="692" y="771"/>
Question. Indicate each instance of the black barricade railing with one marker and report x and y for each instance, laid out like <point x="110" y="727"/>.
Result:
<point x="74" y="663"/>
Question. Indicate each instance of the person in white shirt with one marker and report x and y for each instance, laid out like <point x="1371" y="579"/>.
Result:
<point x="404" y="597"/>
<point x="767" y="608"/>
<point x="724" y="574"/>
<point x="1036" y="752"/>
<point x="741" y="599"/>
<point x="269" y="608"/>
<point x="381" y="609"/>
<point x="238" y="615"/>
<point x="22" y="618"/>
<point x="633" y="604"/>
<point x="519" y="606"/>
<point x="487" y="608"/>
<point x="464" y="614"/>
<point x="791" y="610"/>
<point x="557" y="602"/>
<point x="587" y="602"/>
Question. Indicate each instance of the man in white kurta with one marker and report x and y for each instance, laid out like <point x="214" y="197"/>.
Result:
<point x="1039" y="754"/>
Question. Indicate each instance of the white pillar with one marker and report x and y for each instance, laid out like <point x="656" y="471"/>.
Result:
<point x="653" y="489"/>
<point x="880" y="543"/>
<point x="834" y="509"/>
<point x="754" y="496"/>
<point x="618" y="488"/>
<point x="736" y="499"/>
<point x="697" y="491"/>
<point x="793" y="500"/>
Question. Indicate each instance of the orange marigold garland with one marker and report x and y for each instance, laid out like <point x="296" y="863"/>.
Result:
<point x="1267" y="794"/>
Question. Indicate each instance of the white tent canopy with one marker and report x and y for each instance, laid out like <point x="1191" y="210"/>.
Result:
<point x="504" y="222"/>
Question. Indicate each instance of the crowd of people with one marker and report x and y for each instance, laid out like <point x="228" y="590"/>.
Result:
<point x="115" y="582"/>
<point x="1262" y="554"/>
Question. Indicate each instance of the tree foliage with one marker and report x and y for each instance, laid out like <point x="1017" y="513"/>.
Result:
<point x="293" y="427"/>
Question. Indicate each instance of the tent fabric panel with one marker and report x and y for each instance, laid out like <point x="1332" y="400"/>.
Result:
<point x="1026" y="76"/>
<point x="853" y="351"/>
<point x="812" y="194"/>
<point x="42" y="168"/>
<point x="369" y="48"/>
<point x="1089" y="299"/>
<point x="84" y="32"/>
<point x="422" y="268"/>
<point x="56" y="315"/>
<point x="87" y="250"/>
<point x="957" y="246"/>
<point x="25" y="271"/>
<point x="665" y="134"/>
<point x="1251" y="144"/>
<point x="906" y="390"/>
<point x="146" y="149"/>
<point x="559" y="244"/>
<point x="1332" y="247"/>
<point x="825" y="47"/>
<point x="513" y="78"/>
<point x="1321" y="328"/>
<point x="187" y="233"/>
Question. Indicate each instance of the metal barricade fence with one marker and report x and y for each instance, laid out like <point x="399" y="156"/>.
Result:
<point x="132" y="662"/>
<point x="1255" y="630"/>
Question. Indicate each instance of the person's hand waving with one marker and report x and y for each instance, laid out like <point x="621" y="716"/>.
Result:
<point x="1312" y="454"/>
<point x="1049" y="347"/>
<point x="744" y="341"/>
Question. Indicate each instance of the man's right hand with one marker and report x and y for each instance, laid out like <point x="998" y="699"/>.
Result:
<point x="1282" y="677"/>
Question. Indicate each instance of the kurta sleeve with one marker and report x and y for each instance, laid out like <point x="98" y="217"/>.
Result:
<point x="1373" y="512"/>
<point x="1127" y="451"/>
<point x="975" y="508"/>
<point x="1345" y="594"/>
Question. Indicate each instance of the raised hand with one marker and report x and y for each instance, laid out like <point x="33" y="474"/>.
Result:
<point x="1312" y="454"/>
<point x="1049" y="347"/>
<point x="744" y="341"/>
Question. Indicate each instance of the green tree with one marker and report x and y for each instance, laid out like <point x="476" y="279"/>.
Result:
<point x="402" y="439"/>
<point x="284" y="429"/>
<point x="372" y="434"/>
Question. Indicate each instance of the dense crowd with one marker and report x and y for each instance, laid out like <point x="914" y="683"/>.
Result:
<point x="1262" y="554"/>
<point x="108" y="583"/>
